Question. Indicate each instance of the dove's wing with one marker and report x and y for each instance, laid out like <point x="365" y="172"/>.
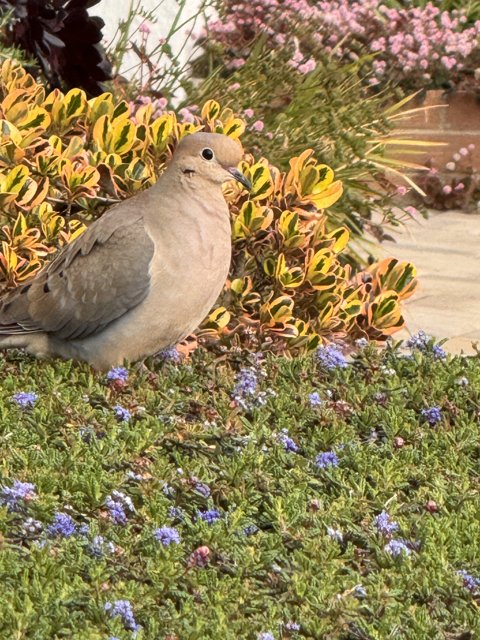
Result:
<point x="93" y="281"/>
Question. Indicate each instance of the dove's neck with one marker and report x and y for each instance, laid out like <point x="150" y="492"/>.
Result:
<point x="196" y="197"/>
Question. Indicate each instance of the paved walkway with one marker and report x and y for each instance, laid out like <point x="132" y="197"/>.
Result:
<point x="446" y="251"/>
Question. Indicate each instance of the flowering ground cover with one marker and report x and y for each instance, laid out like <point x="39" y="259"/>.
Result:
<point x="242" y="497"/>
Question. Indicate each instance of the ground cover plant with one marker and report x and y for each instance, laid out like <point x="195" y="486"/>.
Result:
<point x="242" y="497"/>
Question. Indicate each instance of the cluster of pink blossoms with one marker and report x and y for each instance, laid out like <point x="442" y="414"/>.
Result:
<point x="416" y="45"/>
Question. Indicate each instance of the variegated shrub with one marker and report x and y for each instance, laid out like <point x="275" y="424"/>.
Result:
<point x="64" y="159"/>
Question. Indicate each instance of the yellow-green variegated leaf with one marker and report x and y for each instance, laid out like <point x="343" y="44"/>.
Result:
<point x="341" y="236"/>
<point x="327" y="197"/>
<point x="261" y="179"/>
<point x="211" y="110"/>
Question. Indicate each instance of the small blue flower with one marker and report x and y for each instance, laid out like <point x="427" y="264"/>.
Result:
<point x="361" y="343"/>
<point x="433" y="415"/>
<point x="395" y="548"/>
<point x="62" y="526"/>
<point x="168" y="490"/>
<point x="288" y="443"/>
<point x="385" y="525"/>
<point x="122" y="414"/>
<point x="209" y="516"/>
<point x="266" y="635"/>
<point x="118" y="504"/>
<point x="202" y="488"/>
<point x="331" y="357"/>
<point x="171" y="354"/>
<point x="292" y="626"/>
<point x="438" y="352"/>
<point x="118" y="373"/>
<point x="167" y="536"/>
<point x="470" y="583"/>
<point x="250" y="530"/>
<point x="19" y="491"/>
<point x="314" y="399"/>
<point x="419" y="341"/>
<point x="176" y="513"/>
<point x="25" y="399"/>
<point x="99" y="547"/>
<point x="326" y="459"/>
<point x="123" y="609"/>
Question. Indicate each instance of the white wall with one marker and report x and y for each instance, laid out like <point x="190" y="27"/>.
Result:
<point x="112" y="11"/>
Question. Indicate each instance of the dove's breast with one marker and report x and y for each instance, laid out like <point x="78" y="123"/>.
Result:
<point x="189" y="268"/>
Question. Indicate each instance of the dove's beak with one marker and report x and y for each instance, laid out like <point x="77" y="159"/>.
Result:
<point x="239" y="177"/>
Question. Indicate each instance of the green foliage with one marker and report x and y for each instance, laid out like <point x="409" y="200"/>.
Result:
<point x="328" y="110"/>
<point x="185" y="430"/>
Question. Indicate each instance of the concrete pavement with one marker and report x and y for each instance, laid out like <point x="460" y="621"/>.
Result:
<point x="446" y="251"/>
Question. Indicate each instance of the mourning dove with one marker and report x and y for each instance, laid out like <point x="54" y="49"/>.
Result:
<point x="143" y="276"/>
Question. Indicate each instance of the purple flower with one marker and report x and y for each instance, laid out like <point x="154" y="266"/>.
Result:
<point x="266" y="635"/>
<point x="395" y="548"/>
<point x="123" y="609"/>
<point x="100" y="547"/>
<point x="250" y="530"/>
<point x="331" y="357"/>
<point x="470" y="583"/>
<point x="292" y="626"/>
<point x="385" y="525"/>
<point x="326" y="459"/>
<point x="25" y="399"/>
<point x="62" y="526"/>
<point x="288" y="443"/>
<point x="170" y="354"/>
<point x="433" y="415"/>
<point x="118" y="504"/>
<point x="118" y="373"/>
<point x="122" y="414"/>
<point x="167" y="536"/>
<point x="314" y="399"/>
<point x="419" y="341"/>
<point x="245" y="392"/>
<point x="176" y="513"/>
<point x="202" y="488"/>
<point x="19" y="491"/>
<point x="210" y="516"/>
<point x="438" y="352"/>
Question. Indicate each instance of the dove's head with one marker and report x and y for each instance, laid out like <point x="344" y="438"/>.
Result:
<point x="211" y="157"/>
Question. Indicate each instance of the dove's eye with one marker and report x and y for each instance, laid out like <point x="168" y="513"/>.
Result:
<point x="207" y="154"/>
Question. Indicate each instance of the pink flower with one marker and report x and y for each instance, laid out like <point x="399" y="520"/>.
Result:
<point x="460" y="186"/>
<point x="234" y="87"/>
<point x="258" y="125"/>
<point x="145" y="27"/>
<point x="186" y="115"/>
<point x="401" y="191"/>
<point x="248" y="113"/>
<point x="447" y="189"/>
<point x="237" y="63"/>
<point x="412" y="211"/>
<point x="463" y="151"/>
<point x="471" y="147"/>
<point x="307" y="66"/>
